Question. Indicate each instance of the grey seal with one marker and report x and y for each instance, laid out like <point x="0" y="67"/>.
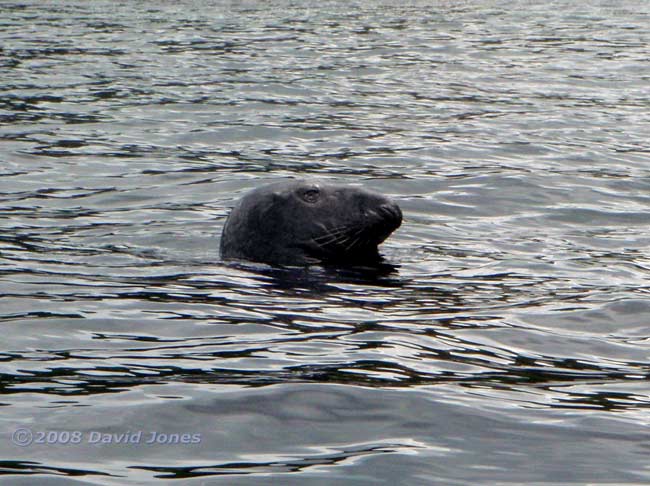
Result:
<point x="303" y="222"/>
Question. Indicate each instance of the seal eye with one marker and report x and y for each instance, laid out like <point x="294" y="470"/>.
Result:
<point x="311" y="195"/>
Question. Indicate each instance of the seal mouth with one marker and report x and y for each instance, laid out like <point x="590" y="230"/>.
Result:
<point x="357" y="240"/>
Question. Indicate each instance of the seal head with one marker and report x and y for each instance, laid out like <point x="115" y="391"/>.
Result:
<point x="309" y="222"/>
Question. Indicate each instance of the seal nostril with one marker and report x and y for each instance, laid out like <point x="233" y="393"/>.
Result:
<point x="392" y="212"/>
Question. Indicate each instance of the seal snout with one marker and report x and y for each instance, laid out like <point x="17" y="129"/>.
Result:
<point x="392" y="213"/>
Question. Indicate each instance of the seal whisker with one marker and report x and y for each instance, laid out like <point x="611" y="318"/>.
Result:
<point x="337" y="241"/>
<point x="329" y="240"/>
<point x="356" y="237"/>
<point x="337" y="231"/>
<point x="329" y="237"/>
<point x="333" y="236"/>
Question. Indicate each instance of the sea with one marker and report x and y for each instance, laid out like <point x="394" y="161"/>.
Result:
<point x="505" y="342"/>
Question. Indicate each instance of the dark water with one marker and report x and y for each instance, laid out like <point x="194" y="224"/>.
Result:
<point x="510" y="346"/>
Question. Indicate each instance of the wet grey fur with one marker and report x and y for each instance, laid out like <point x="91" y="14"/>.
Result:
<point x="309" y="222"/>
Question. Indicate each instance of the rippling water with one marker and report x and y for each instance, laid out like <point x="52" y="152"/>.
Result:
<point x="509" y="346"/>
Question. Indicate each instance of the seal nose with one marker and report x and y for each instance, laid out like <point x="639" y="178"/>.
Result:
<point x="391" y="212"/>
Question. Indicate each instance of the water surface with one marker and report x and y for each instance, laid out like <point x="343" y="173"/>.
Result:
<point x="509" y="346"/>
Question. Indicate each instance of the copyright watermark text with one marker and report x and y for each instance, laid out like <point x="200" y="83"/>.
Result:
<point x="25" y="437"/>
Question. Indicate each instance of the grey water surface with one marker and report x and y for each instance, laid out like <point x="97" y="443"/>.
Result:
<point x="510" y="344"/>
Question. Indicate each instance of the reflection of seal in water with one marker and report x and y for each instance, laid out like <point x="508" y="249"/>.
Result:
<point x="307" y="222"/>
